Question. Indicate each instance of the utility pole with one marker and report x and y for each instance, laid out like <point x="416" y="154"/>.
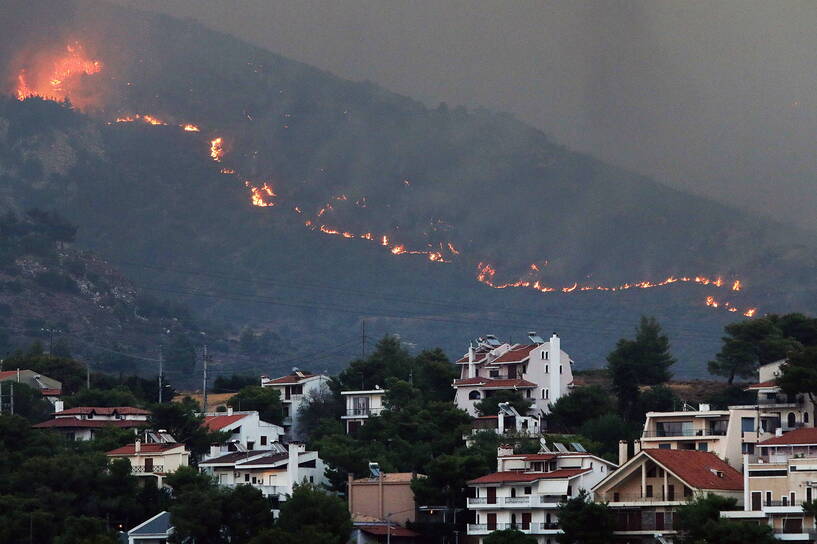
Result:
<point x="1" y="397"/>
<point x="12" y="398"/>
<point x="87" y="375"/>
<point x="204" y="386"/>
<point x="161" y="361"/>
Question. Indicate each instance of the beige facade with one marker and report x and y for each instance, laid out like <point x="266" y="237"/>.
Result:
<point x="153" y="460"/>
<point x="360" y="405"/>
<point x="387" y="497"/>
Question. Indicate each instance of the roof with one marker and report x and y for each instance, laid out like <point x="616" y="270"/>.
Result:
<point x="517" y="354"/>
<point x="390" y="478"/>
<point x="9" y="373"/>
<point x="394" y="530"/>
<point x="105" y="411"/>
<point x="479" y="356"/>
<point x="216" y="423"/>
<point x="698" y="468"/>
<point x="493" y="382"/>
<point x="762" y="385"/>
<point x="502" y="477"/>
<point x="130" y="449"/>
<point x="267" y="459"/>
<point x="531" y="456"/>
<point x="292" y="378"/>
<point x="805" y="435"/>
<point x="51" y="392"/>
<point x="159" y="524"/>
<point x="76" y="423"/>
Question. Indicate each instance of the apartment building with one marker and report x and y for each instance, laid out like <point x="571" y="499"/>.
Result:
<point x="526" y="489"/>
<point x="294" y="389"/>
<point x="646" y="490"/>
<point x="539" y="370"/>
<point x="247" y="431"/>
<point x="84" y="422"/>
<point x="274" y="470"/>
<point x="360" y="405"/>
<point x="782" y="476"/>
<point x="155" y="457"/>
<point x="508" y="422"/>
<point x="781" y="410"/>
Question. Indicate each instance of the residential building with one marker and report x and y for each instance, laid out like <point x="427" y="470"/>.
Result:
<point x="367" y="530"/>
<point x="155" y="458"/>
<point x="385" y="496"/>
<point x="49" y="388"/>
<point x="247" y="431"/>
<point x="646" y="490"/>
<point x="274" y="471"/>
<point x="508" y="422"/>
<point x="526" y="490"/>
<point x="294" y="389"/>
<point x="156" y="530"/>
<point x="782" y="476"/>
<point x="779" y="409"/>
<point x="360" y="405"/>
<point x="84" y="422"/>
<point x="539" y="370"/>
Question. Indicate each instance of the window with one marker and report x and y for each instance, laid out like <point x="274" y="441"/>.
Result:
<point x="808" y="494"/>
<point x="768" y="498"/>
<point x="560" y="369"/>
<point x="247" y="477"/>
<point x="784" y="500"/>
<point x="665" y="446"/>
<point x="703" y="446"/>
<point x="547" y="355"/>
<point x="660" y="472"/>
<point x="687" y="492"/>
<point x="263" y="440"/>
<point x="805" y="417"/>
<point x="651" y="472"/>
<point x="616" y="497"/>
<point x="747" y="424"/>
<point x="543" y="393"/>
<point x="528" y="490"/>
<point x="494" y="374"/>
<point x="250" y="445"/>
<point x="513" y="492"/>
<point x="569" y="491"/>
<point x="474" y="395"/>
<point x="648" y="492"/>
<point x="793" y="497"/>
<point x="311" y="479"/>
<point x="254" y="480"/>
<point x="527" y="393"/>
<point x="547" y="394"/>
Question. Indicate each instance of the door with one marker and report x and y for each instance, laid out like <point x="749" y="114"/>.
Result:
<point x="492" y="496"/>
<point x="148" y="464"/>
<point x="659" y="521"/>
<point x="525" y="521"/>
<point x="670" y="492"/>
<point x="757" y="499"/>
<point x="491" y="522"/>
<point x="793" y="525"/>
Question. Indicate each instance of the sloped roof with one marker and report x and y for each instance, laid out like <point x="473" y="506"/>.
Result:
<point x="531" y="456"/>
<point x="267" y="459"/>
<point x="762" y="385"/>
<point x="157" y="525"/>
<point x="291" y="379"/>
<point x="494" y="382"/>
<point x="216" y="423"/>
<point x="46" y="392"/>
<point x="806" y="435"/>
<point x="234" y="457"/>
<point x="517" y="354"/>
<point x="130" y="449"/>
<point x="104" y="411"/>
<point x="698" y="468"/>
<point x="390" y="477"/>
<point x="511" y="476"/>
<point x="381" y="530"/>
<point x="76" y="423"/>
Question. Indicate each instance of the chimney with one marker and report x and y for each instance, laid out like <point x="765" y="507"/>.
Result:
<point x="229" y="410"/>
<point x="215" y="450"/>
<point x="18" y="375"/>
<point x="623" y="446"/>
<point x="59" y="406"/>
<point x="778" y="431"/>
<point x="293" y="449"/>
<point x="636" y="447"/>
<point x="472" y="370"/>
<point x="555" y="362"/>
<point x="502" y="450"/>
<point x="137" y="446"/>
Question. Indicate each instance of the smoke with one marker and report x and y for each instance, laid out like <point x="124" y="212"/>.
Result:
<point x="713" y="98"/>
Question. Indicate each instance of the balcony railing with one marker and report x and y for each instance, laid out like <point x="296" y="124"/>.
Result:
<point x="535" y="527"/>
<point x="363" y="412"/>
<point x="668" y="433"/>
<point x="636" y="497"/>
<point x="525" y="500"/>
<point x="141" y="469"/>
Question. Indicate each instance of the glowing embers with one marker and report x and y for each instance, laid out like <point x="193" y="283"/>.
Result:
<point x="56" y="77"/>
<point x="155" y="121"/>
<point x="486" y="274"/>
<point x="217" y="149"/>
<point x="261" y="196"/>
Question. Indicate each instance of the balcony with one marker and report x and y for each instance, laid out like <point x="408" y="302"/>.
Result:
<point x="141" y="469"/>
<point x="621" y="498"/>
<point x="525" y="501"/>
<point x="532" y="528"/>
<point x="363" y="412"/>
<point x="684" y="433"/>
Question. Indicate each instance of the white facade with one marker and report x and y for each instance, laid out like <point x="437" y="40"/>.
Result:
<point x="294" y="390"/>
<point x="526" y="490"/>
<point x="541" y="371"/>
<point x="247" y="431"/>
<point x="360" y="405"/>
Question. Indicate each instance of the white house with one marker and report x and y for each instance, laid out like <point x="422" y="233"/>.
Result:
<point x="360" y="405"/>
<point x="156" y="457"/>
<point x="294" y="389"/>
<point x="83" y="422"/>
<point x="156" y="530"/>
<point x="526" y="490"/>
<point x="274" y="471"/>
<point x="541" y="371"/>
<point x="247" y="430"/>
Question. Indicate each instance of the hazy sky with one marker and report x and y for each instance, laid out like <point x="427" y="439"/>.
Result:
<point x="716" y="97"/>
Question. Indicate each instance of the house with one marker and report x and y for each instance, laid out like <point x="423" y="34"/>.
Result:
<point x="386" y="497"/>
<point x="49" y="388"/>
<point x="360" y="405"/>
<point x="155" y="457"/>
<point x="645" y="491"/>
<point x="156" y="530"/>
<point x="247" y="431"/>
<point x="369" y="530"/>
<point x="526" y="489"/>
<point x="274" y="470"/>
<point x="539" y="370"/>
<point x="83" y="422"/>
<point x="782" y="476"/>
<point x="294" y="389"/>
<point x="507" y="422"/>
<point x="779" y="409"/>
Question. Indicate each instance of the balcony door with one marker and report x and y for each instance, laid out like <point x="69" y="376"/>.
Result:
<point x="491" y="495"/>
<point x="148" y="464"/>
<point x="491" y="522"/>
<point x="526" y="521"/>
<point x="659" y="521"/>
<point x="360" y="405"/>
<point x="757" y="499"/>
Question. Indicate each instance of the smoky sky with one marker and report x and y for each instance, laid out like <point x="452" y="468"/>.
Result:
<point x="718" y="98"/>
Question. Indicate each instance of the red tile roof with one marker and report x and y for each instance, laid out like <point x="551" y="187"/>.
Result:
<point x="395" y="530"/>
<point x="698" y="468"/>
<point x="479" y="356"/>
<point x="502" y="477"/>
<point x="130" y="449"/>
<point x="531" y="456"/>
<point x="517" y="354"/>
<point x="105" y="411"/>
<point x="76" y="423"/>
<point x="50" y="392"/>
<point x="806" y="435"/>
<point x="8" y="374"/>
<point x="493" y="382"/>
<point x="216" y="423"/>
<point x="292" y="378"/>
<point x="762" y="385"/>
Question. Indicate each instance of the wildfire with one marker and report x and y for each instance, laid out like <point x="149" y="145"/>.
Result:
<point x="59" y="77"/>
<point x="217" y="149"/>
<point x="260" y="196"/>
<point x="149" y="119"/>
<point x="226" y="171"/>
<point x="190" y="128"/>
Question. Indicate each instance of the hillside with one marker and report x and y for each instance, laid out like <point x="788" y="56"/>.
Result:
<point x="333" y="159"/>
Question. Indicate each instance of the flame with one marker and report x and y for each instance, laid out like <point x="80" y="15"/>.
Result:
<point x="453" y="249"/>
<point x="57" y="80"/>
<point x="260" y="196"/>
<point x="226" y="171"/>
<point x="750" y="312"/>
<point x="191" y="128"/>
<point x="736" y="286"/>
<point x="217" y="149"/>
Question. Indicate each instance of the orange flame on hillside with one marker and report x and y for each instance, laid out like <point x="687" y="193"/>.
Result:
<point x="217" y="149"/>
<point x="190" y="128"/>
<point x="58" y="77"/>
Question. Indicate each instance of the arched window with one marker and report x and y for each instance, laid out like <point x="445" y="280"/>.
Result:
<point x="805" y="417"/>
<point x="474" y="395"/>
<point x="791" y="419"/>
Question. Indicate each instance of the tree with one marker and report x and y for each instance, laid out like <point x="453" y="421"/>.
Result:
<point x="509" y="536"/>
<point x="584" y="521"/>
<point x="180" y="420"/>
<point x="658" y="398"/>
<point x="389" y="359"/>
<point x="181" y="355"/>
<point x="265" y="400"/>
<point x="607" y="430"/>
<point x="570" y="412"/>
<point x="799" y="373"/>
<point x="319" y="413"/>
<point x="700" y="522"/>
<point x="315" y="514"/>
<point x="102" y="398"/>
<point x="490" y="405"/>
<point x="28" y="402"/>
<point x="750" y="343"/>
